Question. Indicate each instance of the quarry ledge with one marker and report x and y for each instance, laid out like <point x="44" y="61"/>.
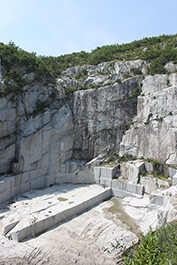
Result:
<point x="36" y="211"/>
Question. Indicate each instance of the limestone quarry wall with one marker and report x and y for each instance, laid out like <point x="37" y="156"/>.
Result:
<point x="154" y="132"/>
<point x="43" y="133"/>
<point x="33" y="142"/>
<point x="99" y="116"/>
<point x="40" y="129"/>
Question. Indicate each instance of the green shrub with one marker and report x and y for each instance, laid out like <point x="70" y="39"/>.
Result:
<point x="168" y="82"/>
<point x="70" y="90"/>
<point x="156" y="248"/>
<point x="136" y="71"/>
<point x="154" y="162"/>
<point x="124" y="159"/>
<point x="159" y="51"/>
<point x="84" y="71"/>
<point x="118" y="80"/>
<point x="41" y="106"/>
<point x="127" y="75"/>
<point x="126" y="127"/>
<point x="91" y="86"/>
<point x="143" y="173"/>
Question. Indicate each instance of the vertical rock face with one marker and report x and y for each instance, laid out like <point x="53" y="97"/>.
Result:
<point x="42" y="153"/>
<point x="36" y="134"/>
<point x="8" y="114"/>
<point x="40" y="129"/>
<point x="154" y="132"/>
<point x="100" y="115"/>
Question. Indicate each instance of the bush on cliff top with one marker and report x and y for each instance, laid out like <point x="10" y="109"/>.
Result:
<point x="157" y="50"/>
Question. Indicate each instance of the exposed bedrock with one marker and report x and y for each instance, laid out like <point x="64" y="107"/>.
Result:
<point x="154" y="132"/>
<point x="40" y="133"/>
<point x="99" y="117"/>
<point x="43" y="132"/>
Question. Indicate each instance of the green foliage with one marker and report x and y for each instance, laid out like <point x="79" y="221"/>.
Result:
<point x="158" y="247"/>
<point x="70" y="90"/>
<point x="126" y="127"/>
<point x="156" y="175"/>
<point x="154" y="162"/>
<point x="127" y="75"/>
<point x="53" y="94"/>
<point x="91" y="85"/>
<point x="41" y="106"/>
<point x="159" y="51"/>
<point x="18" y="62"/>
<point x="81" y="74"/>
<point x="118" y="80"/>
<point x="136" y="71"/>
<point x="124" y="159"/>
<point x="127" y="157"/>
<point x="158" y="169"/>
<point x="83" y="87"/>
<point x="135" y="94"/>
<point x="168" y="82"/>
<point x="146" y="252"/>
<point x="143" y="173"/>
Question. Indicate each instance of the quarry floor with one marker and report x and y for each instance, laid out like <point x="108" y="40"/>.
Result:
<point x="87" y="238"/>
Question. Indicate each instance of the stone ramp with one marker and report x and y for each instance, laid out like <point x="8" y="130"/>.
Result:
<point x="36" y="211"/>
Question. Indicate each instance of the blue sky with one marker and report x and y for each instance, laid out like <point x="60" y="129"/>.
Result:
<point x="55" y="27"/>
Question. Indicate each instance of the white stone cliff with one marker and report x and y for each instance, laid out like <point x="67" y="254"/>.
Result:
<point x="153" y="134"/>
<point x="43" y="132"/>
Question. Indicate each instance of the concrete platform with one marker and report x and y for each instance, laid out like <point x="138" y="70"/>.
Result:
<point x="36" y="211"/>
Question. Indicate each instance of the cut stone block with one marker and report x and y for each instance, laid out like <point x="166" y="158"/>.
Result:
<point x="50" y="180"/>
<point x="104" y="173"/>
<point x="97" y="174"/>
<point x="37" y="183"/>
<point x="130" y="171"/>
<point x="24" y="187"/>
<point x="5" y="196"/>
<point x="15" y="191"/>
<point x="123" y="193"/>
<point x="83" y="176"/>
<point x="53" y="210"/>
<point x="8" y="224"/>
<point x="108" y="172"/>
<point x="127" y="186"/>
<point x="171" y="172"/>
<point x="4" y="184"/>
<point x="105" y="182"/>
<point x="174" y="181"/>
<point x="157" y="199"/>
<point x="150" y="183"/>
<point x="148" y="167"/>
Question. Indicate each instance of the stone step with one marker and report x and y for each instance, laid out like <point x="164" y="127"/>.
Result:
<point x="127" y="186"/>
<point x="36" y="211"/>
<point x="13" y="185"/>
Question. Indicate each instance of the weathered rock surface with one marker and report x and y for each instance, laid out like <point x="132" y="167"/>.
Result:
<point x="36" y="136"/>
<point x="99" y="116"/>
<point x="153" y="134"/>
<point x="40" y="132"/>
<point x="88" y="238"/>
<point x="43" y="133"/>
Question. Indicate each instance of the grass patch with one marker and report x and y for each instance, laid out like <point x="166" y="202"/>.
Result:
<point x="61" y="199"/>
<point x="156" y="248"/>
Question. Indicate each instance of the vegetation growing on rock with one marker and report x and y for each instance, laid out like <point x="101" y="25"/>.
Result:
<point x="158" y="247"/>
<point x="157" y="51"/>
